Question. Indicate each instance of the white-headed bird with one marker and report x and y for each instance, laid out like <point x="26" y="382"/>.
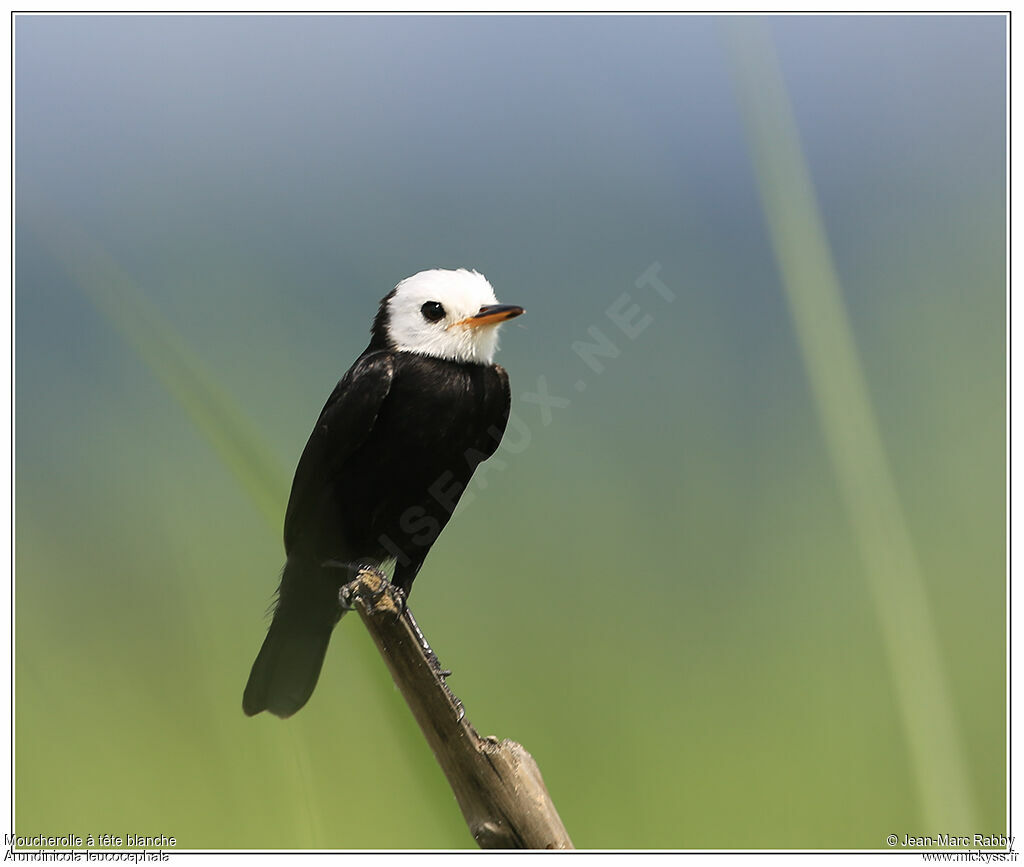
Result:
<point x="391" y="453"/>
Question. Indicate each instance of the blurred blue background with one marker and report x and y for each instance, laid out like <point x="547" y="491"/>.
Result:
<point x="656" y="588"/>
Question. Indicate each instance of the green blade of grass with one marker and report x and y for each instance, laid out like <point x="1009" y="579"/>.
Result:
<point x="128" y="310"/>
<point x="125" y="306"/>
<point x="851" y="431"/>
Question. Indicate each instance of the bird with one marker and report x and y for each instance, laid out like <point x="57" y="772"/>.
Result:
<point x="389" y="457"/>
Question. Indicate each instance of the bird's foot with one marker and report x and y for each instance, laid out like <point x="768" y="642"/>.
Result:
<point x="347" y="596"/>
<point x="401" y="598"/>
<point x="352" y="585"/>
<point x="372" y="591"/>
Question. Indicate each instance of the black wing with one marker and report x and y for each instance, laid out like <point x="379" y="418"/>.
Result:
<point x="498" y="402"/>
<point x="345" y="421"/>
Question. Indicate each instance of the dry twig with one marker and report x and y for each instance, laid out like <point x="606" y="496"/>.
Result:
<point x="497" y="783"/>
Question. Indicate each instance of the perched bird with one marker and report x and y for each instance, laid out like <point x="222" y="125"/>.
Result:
<point x="391" y="453"/>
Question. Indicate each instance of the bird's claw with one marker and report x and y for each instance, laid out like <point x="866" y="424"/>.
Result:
<point x="346" y="597"/>
<point x="353" y="587"/>
<point x="401" y="598"/>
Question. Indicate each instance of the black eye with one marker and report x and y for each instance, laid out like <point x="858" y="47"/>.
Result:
<point x="432" y="311"/>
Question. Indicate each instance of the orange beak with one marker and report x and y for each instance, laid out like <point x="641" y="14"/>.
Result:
<point x="492" y="314"/>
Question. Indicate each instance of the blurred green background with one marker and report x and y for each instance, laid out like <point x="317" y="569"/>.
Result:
<point x="657" y="588"/>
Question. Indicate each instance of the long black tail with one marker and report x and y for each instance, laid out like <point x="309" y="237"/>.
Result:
<point x="288" y="665"/>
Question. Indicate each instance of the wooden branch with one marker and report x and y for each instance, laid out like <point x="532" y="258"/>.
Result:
<point x="497" y="783"/>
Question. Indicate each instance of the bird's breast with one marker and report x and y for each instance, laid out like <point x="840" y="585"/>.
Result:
<point x="436" y="407"/>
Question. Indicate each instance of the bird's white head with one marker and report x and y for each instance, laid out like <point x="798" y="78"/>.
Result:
<point x="452" y="315"/>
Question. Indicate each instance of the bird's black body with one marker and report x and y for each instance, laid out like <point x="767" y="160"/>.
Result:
<point x="385" y="465"/>
<point x="390" y="455"/>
